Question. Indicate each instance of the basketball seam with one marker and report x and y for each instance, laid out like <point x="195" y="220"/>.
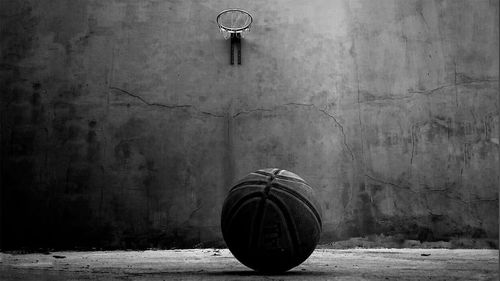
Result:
<point x="247" y="183"/>
<point x="234" y="209"/>
<point x="259" y="216"/>
<point x="262" y="173"/>
<point x="301" y="198"/>
<point x="288" y="220"/>
<point x="257" y="223"/>
<point x="290" y="179"/>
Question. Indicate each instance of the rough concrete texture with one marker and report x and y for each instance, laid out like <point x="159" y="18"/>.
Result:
<point x="123" y="124"/>
<point x="214" y="264"/>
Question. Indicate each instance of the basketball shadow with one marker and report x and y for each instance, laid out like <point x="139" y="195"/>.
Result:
<point x="303" y="273"/>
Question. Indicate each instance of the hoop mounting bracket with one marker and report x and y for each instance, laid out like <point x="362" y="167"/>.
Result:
<point x="235" y="42"/>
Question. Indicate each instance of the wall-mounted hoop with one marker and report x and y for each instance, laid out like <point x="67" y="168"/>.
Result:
<point x="234" y="21"/>
<point x="232" y="24"/>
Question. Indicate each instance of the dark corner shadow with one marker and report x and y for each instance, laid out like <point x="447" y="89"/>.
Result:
<point x="255" y="273"/>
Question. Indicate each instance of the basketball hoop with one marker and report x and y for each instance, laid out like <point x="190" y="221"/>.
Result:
<point x="233" y="23"/>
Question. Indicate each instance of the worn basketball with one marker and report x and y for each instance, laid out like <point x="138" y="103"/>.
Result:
<point x="271" y="221"/>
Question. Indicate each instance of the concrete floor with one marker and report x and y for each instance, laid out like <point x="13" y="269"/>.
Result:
<point x="214" y="264"/>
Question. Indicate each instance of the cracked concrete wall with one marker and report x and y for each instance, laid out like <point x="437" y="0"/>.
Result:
<point x="123" y="124"/>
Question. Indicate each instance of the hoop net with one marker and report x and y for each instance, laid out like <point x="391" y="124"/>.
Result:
<point x="234" y="21"/>
<point x="227" y="34"/>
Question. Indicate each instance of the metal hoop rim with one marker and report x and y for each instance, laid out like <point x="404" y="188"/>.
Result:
<point x="234" y="30"/>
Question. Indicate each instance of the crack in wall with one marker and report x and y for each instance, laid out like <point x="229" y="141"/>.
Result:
<point x="360" y="119"/>
<point x="228" y="162"/>
<point x="412" y="144"/>
<point x="323" y="111"/>
<point x="455" y="83"/>
<point x="391" y="184"/>
<point x="355" y="30"/>
<point x="421" y="14"/>
<point x="433" y="90"/>
<point x="168" y="106"/>
<point x="250" y="111"/>
<point x="341" y="130"/>
<point x="174" y="106"/>
<point x="171" y="106"/>
<point x="358" y="93"/>
<point x="385" y="98"/>
<point x="443" y="191"/>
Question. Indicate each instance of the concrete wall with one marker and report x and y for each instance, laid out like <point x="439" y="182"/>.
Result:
<point x="123" y="124"/>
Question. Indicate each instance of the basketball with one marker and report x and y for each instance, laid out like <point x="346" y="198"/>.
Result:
<point x="271" y="220"/>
